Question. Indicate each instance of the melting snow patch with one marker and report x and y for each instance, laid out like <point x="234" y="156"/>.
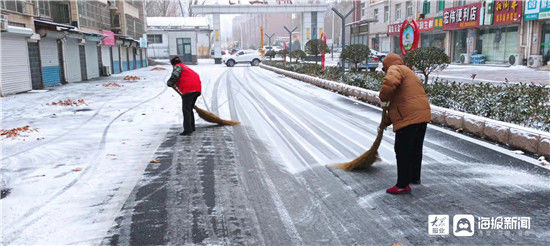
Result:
<point x="507" y="177"/>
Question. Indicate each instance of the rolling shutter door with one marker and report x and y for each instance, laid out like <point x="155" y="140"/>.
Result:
<point x="124" y="58"/>
<point x="15" y="70"/>
<point x="73" y="60"/>
<point x="116" y="59"/>
<point x="50" y="61"/>
<point x="131" y="60"/>
<point x="106" y="56"/>
<point x="91" y="60"/>
<point x="138" y="58"/>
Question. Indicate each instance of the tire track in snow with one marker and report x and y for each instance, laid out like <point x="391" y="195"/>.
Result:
<point x="288" y="224"/>
<point x="333" y="209"/>
<point x="33" y="212"/>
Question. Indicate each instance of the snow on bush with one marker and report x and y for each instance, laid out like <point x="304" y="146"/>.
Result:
<point x="523" y="104"/>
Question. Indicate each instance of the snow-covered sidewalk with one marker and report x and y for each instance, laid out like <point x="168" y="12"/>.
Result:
<point x="70" y="174"/>
<point x="493" y="74"/>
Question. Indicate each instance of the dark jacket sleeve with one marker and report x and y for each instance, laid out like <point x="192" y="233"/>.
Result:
<point x="176" y="73"/>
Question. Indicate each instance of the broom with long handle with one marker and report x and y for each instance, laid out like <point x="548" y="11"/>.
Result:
<point x="210" y="117"/>
<point x="368" y="158"/>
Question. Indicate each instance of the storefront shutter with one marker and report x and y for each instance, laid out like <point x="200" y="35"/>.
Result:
<point x="15" y="68"/>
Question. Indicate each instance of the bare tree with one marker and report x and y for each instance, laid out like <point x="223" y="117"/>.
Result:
<point x="162" y="8"/>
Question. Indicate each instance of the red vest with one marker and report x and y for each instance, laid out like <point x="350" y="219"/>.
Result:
<point x="189" y="80"/>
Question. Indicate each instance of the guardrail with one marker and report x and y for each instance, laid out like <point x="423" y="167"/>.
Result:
<point x="515" y="136"/>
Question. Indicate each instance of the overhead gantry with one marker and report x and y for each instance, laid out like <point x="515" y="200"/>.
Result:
<point x="313" y="15"/>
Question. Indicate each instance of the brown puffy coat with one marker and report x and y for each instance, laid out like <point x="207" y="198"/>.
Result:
<point x="408" y="102"/>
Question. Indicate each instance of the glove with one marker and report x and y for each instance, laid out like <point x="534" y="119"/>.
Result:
<point x="385" y="104"/>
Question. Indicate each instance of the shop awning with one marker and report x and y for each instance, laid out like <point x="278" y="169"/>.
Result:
<point x="53" y="24"/>
<point x="20" y="30"/>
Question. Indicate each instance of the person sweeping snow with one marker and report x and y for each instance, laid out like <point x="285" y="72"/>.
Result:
<point x="187" y="83"/>
<point x="405" y="100"/>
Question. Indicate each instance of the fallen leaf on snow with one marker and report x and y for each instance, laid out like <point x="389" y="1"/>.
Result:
<point x="112" y="85"/>
<point x="68" y="102"/>
<point x="78" y="169"/>
<point x="127" y="77"/>
<point x="544" y="163"/>
<point x="12" y="133"/>
<point x="158" y="69"/>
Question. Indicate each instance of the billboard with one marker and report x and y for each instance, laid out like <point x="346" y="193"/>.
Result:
<point x="466" y="16"/>
<point x="537" y="9"/>
<point x="507" y="12"/>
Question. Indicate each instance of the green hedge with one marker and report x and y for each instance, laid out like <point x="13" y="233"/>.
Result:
<point x="523" y="104"/>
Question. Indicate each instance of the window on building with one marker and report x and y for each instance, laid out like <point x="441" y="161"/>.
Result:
<point x="386" y="13"/>
<point x="93" y="14"/>
<point x="44" y="8"/>
<point x="375" y="15"/>
<point x="60" y="12"/>
<point x="154" y="38"/>
<point x="14" y="5"/>
<point x="409" y="9"/>
<point x="440" y="5"/>
<point x="426" y="7"/>
<point x="398" y="11"/>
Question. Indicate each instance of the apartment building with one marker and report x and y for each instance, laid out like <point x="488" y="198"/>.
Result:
<point x="47" y="43"/>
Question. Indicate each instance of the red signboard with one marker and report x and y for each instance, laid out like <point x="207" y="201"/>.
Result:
<point x="506" y="12"/>
<point x="109" y="40"/>
<point x="466" y="16"/>
<point x="424" y="25"/>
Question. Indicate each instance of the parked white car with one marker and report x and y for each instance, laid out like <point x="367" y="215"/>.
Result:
<point x="243" y="56"/>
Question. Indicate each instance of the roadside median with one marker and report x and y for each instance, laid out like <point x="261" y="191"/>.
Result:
<point x="519" y="137"/>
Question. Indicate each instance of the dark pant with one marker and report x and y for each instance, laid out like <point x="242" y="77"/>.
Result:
<point x="408" y="152"/>
<point x="187" y="103"/>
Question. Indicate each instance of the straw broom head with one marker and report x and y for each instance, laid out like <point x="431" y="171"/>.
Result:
<point x="368" y="158"/>
<point x="212" y="118"/>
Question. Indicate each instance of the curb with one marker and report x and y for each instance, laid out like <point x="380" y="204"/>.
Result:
<point x="526" y="139"/>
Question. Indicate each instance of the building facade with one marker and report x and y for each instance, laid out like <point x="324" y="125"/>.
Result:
<point x="490" y="31"/>
<point x="186" y="37"/>
<point x="47" y="43"/>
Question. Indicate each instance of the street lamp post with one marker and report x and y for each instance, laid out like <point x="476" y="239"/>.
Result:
<point x="343" y="18"/>
<point x="269" y="37"/>
<point x="290" y="39"/>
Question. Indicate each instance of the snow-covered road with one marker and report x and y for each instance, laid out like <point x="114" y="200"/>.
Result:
<point x="263" y="182"/>
<point x="70" y="177"/>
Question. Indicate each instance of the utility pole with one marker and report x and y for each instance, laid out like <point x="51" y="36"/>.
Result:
<point x="269" y="37"/>
<point x="343" y="17"/>
<point x="290" y="40"/>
